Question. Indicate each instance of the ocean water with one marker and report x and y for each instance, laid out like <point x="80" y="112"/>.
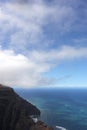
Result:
<point x="59" y="107"/>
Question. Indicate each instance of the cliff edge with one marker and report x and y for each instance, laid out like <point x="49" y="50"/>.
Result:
<point x="15" y="112"/>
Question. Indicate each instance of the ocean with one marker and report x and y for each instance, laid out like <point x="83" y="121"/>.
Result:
<point x="64" y="108"/>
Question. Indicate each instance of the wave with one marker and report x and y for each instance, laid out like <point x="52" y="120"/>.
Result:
<point x="60" y="128"/>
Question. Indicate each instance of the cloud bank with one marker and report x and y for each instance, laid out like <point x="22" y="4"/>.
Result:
<point x="19" y="70"/>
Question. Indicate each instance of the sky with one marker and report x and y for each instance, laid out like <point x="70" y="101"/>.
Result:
<point x="43" y="43"/>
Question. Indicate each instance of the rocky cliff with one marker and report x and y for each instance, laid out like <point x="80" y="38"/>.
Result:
<point x="15" y="112"/>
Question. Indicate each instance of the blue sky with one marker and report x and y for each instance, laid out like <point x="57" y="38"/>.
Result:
<point x="43" y="43"/>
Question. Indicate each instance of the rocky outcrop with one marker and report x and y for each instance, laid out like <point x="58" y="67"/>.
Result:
<point x="40" y="126"/>
<point x="15" y="112"/>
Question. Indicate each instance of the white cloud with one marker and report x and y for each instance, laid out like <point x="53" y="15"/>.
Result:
<point x="56" y="55"/>
<point x="23" y="24"/>
<point x="24" y="59"/>
<point x="19" y="70"/>
<point x="80" y="41"/>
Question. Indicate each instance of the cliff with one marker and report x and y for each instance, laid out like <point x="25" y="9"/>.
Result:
<point x="15" y="112"/>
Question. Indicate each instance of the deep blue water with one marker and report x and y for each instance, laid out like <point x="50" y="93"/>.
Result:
<point x="60" y="107"/>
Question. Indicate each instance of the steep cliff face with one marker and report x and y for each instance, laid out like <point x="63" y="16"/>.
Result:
<point x="15" y="112"/>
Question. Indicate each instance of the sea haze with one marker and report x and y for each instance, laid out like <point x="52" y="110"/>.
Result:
<point x="60" y="107"/>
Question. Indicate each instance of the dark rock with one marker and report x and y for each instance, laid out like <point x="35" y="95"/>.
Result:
<point x="40" y="126"/>
<point x="15" y="112"/>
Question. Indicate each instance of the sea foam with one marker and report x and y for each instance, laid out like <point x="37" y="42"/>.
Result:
<point x="60" y="128"/>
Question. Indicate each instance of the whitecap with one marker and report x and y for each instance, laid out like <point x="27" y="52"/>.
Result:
<point x="60" y="128"/>
<point x="35" y="120"/>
